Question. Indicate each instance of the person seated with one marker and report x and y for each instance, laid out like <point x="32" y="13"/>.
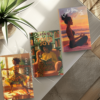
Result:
<point x="48" y="58"/>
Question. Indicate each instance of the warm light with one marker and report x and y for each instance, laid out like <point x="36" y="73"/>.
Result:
<point x="10" y="64"/>
<point x="36" y="18"/>
<point x="17" y="93"/>
<point x="49" y="4"/>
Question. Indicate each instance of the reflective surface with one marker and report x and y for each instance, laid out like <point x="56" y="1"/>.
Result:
<point x="44" y="16"/>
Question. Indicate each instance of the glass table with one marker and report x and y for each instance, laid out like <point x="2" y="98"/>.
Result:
<point x="43" y="15"/>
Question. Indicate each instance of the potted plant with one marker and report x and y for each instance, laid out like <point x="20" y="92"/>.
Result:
<point x="11" y="30"/>
<point x="8" y="14"/>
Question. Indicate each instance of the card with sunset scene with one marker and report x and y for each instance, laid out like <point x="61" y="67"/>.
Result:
<point x="74" y="29"/>
<point x="16" y="76"/>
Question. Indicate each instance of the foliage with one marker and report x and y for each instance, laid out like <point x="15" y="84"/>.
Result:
<point x="2" y="65"/>
<point x="8" y="13"/>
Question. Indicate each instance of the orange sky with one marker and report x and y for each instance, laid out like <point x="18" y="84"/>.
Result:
<point x="80" y="24"/>
<point x="79" y="21"/>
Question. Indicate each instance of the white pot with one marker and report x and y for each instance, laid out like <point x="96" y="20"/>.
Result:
<point x="11" y="30"/>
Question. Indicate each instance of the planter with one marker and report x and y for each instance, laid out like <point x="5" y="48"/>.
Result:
<point x="11" y="30"/>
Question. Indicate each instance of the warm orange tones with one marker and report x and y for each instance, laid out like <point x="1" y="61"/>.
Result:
<point x="80" y="26"/>
<point x="79" y="22"/>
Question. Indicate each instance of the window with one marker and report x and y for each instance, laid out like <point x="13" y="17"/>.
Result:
<point x="7" y="62"/>
<point x="4" y="72"/>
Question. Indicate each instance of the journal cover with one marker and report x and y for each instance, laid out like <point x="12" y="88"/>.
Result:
<point x="16" y="76"/>
<point x="46" y="53"/>
<point x="74" y="29"/>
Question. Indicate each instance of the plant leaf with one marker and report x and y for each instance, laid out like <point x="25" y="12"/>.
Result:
<point x="0" y="5"/>
<point x="11" y="7"/>
<point x="12" y="14"/>
<point x="21" y="20"/>
<point x="10" y="2"/>
<point x="23" y="8"/>
<point x="4" y="5"/>
<point x="18" y="26"/>
<point x="5" y="31"/>
<point x="18" y="2"/>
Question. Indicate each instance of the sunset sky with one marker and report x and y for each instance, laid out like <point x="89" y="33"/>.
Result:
<point x="80" y="18"/>
<point x="80" y="25"/>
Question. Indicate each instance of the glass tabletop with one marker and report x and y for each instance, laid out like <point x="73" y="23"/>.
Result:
<point x="44" y="16"/>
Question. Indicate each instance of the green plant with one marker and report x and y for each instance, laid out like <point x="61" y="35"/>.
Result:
<point x="8" y="13"/>
<point x="2" y="65"/>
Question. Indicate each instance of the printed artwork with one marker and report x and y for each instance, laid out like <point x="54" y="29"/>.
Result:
<point x="16" y="77"/>
<point x="46" y="53"/>
<point x="74" y="27"/>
